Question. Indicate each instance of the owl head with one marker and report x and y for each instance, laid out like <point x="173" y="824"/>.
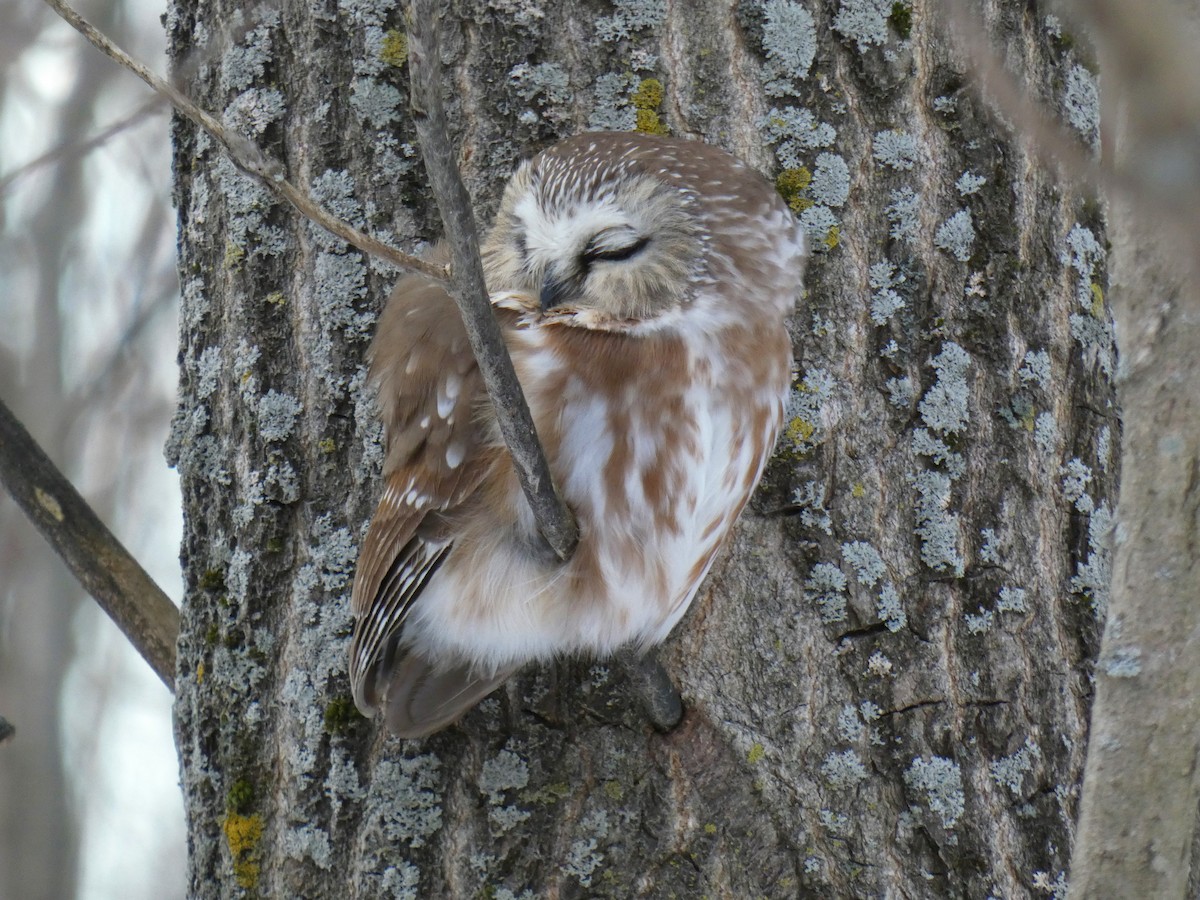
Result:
<point x="594" y="233"/>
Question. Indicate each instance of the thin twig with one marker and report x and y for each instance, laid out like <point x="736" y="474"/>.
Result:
<point x="73" y="149"/>
<point x="248" y="157"/>
<point x="555" y="522"/>
<point x="6" y="730"/>
<point x="105" y="568"/>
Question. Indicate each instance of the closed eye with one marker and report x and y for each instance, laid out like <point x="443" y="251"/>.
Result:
<point x="592" y="253"/>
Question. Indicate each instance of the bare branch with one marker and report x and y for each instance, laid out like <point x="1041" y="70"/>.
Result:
<point x="72" y="149"/>
<point x="6" y="730"/>
<point x="248" y="157"/>
<point x="555" y="521"/>
<point x="105" y="568"/>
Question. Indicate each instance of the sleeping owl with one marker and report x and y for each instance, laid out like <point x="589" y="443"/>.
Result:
<point x="642" y="285"/>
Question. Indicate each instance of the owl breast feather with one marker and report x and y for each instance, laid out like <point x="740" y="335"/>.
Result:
<point x="656" y="443"/>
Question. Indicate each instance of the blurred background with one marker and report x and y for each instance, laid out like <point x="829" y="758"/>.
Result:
<point x="89" y="798"/>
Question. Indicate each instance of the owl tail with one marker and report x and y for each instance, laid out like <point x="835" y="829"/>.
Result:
<point x="421" y="698"/>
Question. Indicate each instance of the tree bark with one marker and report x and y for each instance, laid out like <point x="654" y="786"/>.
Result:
<point x="886" y="680"/>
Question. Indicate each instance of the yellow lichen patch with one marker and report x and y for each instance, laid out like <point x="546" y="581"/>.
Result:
<point x="710" y="828"/>
<point x="791" y="185"/>
<point x="1029" y="420"/>
<point x="757" y="752"/>
<point x="211" y="580"/>
<point x="339" y="715"/>
<point x="200" y="672"/>
<point x="646" y="101"/>
<point x="1097" y="301"/>
<point x="242" y="834"/>
<point x="858" y="491"/>
<point x="326" y="445"/>
<point x="833" y="237"/>
<point x="551" y="793"/>
<point x="233" y="255"/>
<point x="901" y="19"/>
<point x="613" y="790"/>
<point x="395" y="48"/>
<point x="276" y="298"/>
<point x="798" y="430"/>
<point x="49" y="504"/>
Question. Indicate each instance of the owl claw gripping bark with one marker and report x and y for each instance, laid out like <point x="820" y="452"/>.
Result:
<point x="641" y="284"/>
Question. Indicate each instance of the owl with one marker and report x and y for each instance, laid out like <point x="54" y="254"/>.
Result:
<point x="641" y="284"/>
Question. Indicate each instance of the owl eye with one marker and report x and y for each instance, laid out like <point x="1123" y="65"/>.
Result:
<point x="603" y="251"/>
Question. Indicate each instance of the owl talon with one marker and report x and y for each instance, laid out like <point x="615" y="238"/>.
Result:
<point x="655" y="690"/>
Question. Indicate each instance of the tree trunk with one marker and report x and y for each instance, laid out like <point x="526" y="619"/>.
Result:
<point x="887" y="678"/>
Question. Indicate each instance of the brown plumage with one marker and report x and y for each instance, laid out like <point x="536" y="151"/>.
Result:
<point x="642" y="285"/>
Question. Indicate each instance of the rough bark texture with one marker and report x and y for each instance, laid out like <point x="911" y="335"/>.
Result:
<point x="887" y="679"/>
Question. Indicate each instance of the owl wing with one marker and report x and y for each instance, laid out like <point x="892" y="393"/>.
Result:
<point x="429" y="390"/>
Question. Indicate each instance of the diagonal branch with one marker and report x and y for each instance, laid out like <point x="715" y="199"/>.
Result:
<point x="555" y="521"/>
<point x="248" y="157"/>
<point x="74" y="149"/>
<point x="105" y="568"/>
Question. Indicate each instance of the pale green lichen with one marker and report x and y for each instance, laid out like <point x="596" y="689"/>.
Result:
<point x="611" y="107"/>
<point x="904" y="214"/>
<point x="1077" y="475"/>
<point x="879" y="665"/>
<point x="1081" y="104"/>
<point x="937" y="527"/>
<point x="1045" y="434"/>
<point x="630" y="17"/>
<point x="804" y="410"/>
<point x="826" y="585"/>
<point x="969" y="183"/>
<point x="809" y="502"/>
<point x="1010" y="771"/>
<point x="956" y="235"/>
<point x="831" y="180"/>
<point x="504" y="772"/>
<point x="890" y="609"/>
<point x="940" y="780"/>
<point x="1011" y="600"/>
<point x="254" y="110"/>
<point x="886" y="300"/>
<point x="790" y="41"/>
<point x="583" y="857"/>
<point x="924" y="443"/>
<point x="944" y="406"/>
<point x="896" y="149"/>
<point x="844" y="770"/>
<point x="864" y="21"/>
<point x="794" y="130"/>
<point x="1036" y="368"/>
<point x="277" y="414"/>
<point x="1094" y="576"/>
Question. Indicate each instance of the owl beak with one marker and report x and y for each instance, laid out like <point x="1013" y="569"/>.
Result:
<point x="554" y="292"/>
